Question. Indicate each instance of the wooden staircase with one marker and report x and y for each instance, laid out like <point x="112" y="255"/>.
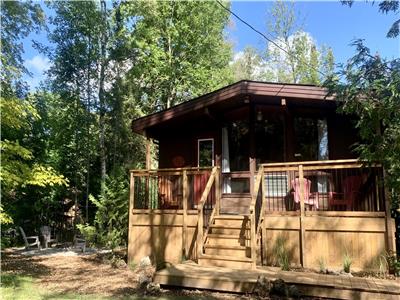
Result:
<point x="227" y="243"/>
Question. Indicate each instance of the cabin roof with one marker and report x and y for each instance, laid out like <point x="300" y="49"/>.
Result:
<point x="266" y="91"/>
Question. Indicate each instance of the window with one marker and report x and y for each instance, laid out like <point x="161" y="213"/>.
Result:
<point x="276" y="185"/>
<point x="205" y="150"/>
<point x="311" y="139"/>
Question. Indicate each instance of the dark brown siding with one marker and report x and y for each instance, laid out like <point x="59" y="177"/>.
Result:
<point x="342" y="136"/>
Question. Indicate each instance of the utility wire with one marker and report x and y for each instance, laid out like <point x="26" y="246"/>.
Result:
<point x="265" y="37"/>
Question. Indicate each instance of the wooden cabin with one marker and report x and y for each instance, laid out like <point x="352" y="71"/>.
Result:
<point x="255" y="173"/>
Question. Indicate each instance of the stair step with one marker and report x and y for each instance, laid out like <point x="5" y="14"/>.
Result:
<point x="229" y="230"/>
<point x="230" y="217"/>
<point x="231" y="220"/>
<point x="226" y="236"/>
<point x="225" y="261"/>
<point x="223" y="250"/>
<point x="227" y="240"/>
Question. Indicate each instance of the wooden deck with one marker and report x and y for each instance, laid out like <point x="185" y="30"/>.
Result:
<point x="191" y="275"/>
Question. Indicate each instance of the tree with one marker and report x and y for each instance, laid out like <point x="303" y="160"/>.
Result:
<point x="385" y="7"/>
<point x="294" y="56"/>
<point x="21" y="168"/>
<point x="370" y="91"/>
<point x="180" y="50"/>
<point x="247" y="65"/>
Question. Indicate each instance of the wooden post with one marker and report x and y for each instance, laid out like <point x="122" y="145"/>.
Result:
<point x="200" y="234"/>
<point x="390" y="239"/>
<point x="253" y="237"/>
<point x="302" y="230"/>
<point x="185" y="204"/>
<point x="148" y="154"/>
<point x="264" y="240"/>
<point x="217" y="191"/>
<point x="130" y="215"/>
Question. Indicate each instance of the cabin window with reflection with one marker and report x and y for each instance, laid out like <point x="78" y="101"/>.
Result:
<point x="206" y="152"/>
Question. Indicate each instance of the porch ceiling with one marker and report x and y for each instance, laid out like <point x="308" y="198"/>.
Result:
<point x="231" y="97"/>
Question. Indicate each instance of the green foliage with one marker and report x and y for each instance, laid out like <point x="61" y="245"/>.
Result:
<point x="247" y="65"/>
<point x="180" y="50"/>
<point x="111" y="219"/>
<point x="370" y="91"/>
<point x="347" y="261"/>
<point x="282" y="253"/>
<point x="393" y="262"/>
<point x="88" y="232"/>
<point x="322" y="264"/>
<point x="303" y="62"/>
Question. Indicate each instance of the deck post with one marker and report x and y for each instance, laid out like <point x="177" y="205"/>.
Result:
<point x="217" y="191"/>
<point x="130" y="215"/>
<point x="264" y="240"/>
<point x="253" y="238"/>
<point x="390" y="239"/>
<point x="199" y="235"/>
<point x="302" y="229"/>
<point x="185" y="204"/>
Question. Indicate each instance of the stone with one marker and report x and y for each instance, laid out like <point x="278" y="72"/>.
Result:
<point x="263" y="287"/>
<point x="143" y="280"/>
<point x="279" y="288"/>
<point x="145" y="262"/>
<point x="153" y="288"/>
<point x="293" y="291"/>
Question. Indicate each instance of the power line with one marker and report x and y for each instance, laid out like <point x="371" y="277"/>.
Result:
<point x="265" y="37"/>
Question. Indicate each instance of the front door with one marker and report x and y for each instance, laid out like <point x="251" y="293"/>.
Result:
<point x="205" y="158"/>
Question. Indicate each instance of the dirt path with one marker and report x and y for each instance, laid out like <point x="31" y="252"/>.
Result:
<point x="88" y="275"/>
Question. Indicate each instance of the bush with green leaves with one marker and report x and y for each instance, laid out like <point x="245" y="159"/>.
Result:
<point x="111" y="219"/>
<point x="88" y="232"/>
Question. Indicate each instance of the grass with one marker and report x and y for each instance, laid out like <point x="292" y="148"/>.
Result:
<point x="18" y="287"/>
<point x="347" y="261"/>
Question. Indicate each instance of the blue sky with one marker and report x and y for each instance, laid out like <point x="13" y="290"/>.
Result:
<point x="329" y="22"/>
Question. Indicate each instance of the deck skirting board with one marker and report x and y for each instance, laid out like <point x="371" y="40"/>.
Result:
<point x="191" y="275"/>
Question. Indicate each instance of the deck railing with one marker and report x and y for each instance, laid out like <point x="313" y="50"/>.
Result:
<point x="345" y="185"/>
<point x="167" y="188"/>
<point x="208" y="207"/>
<point x="257" y="207"/>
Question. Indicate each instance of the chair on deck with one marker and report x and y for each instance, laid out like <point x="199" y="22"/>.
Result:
<point x="35" y="240"/>
<point x="309" y="198"/>
<point x="45" y="232"/>
<point x="351" y="192"/>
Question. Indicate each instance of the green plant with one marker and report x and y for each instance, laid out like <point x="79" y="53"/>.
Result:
<point x="383" y="265"/>
<point x="321" y="264"/>
<point x="393" y="263"/>
<point x="132" y="265"/>
<point x="282" y="254"/>
<point x="89" y="233"/>
<point x="347" y="261"/>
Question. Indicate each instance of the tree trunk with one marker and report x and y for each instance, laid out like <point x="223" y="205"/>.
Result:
<point x="103" y="64"/>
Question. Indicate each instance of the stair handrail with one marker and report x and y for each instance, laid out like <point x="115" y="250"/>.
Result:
<point x="200" y="211"/>
<point x="255" y="221"/>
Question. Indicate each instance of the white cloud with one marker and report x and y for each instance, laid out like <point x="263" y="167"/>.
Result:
<point x="38" y="64"/>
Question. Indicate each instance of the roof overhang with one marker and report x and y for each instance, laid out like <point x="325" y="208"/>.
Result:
<point x="297" y="92"/>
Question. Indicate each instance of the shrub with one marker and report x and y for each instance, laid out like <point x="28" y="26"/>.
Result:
<point x="282" y="254"/>
<point x="393" y="263"/>
<point x="321" y="264"/>
<point x="347" y="261"/>
<point x="88" y="232"/>
<point x="111" y="219"/>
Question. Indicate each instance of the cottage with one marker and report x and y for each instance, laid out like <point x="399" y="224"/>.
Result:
<point x="257" y="174"/>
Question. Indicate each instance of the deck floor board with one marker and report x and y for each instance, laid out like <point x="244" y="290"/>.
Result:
<point x="189" y="274"/>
